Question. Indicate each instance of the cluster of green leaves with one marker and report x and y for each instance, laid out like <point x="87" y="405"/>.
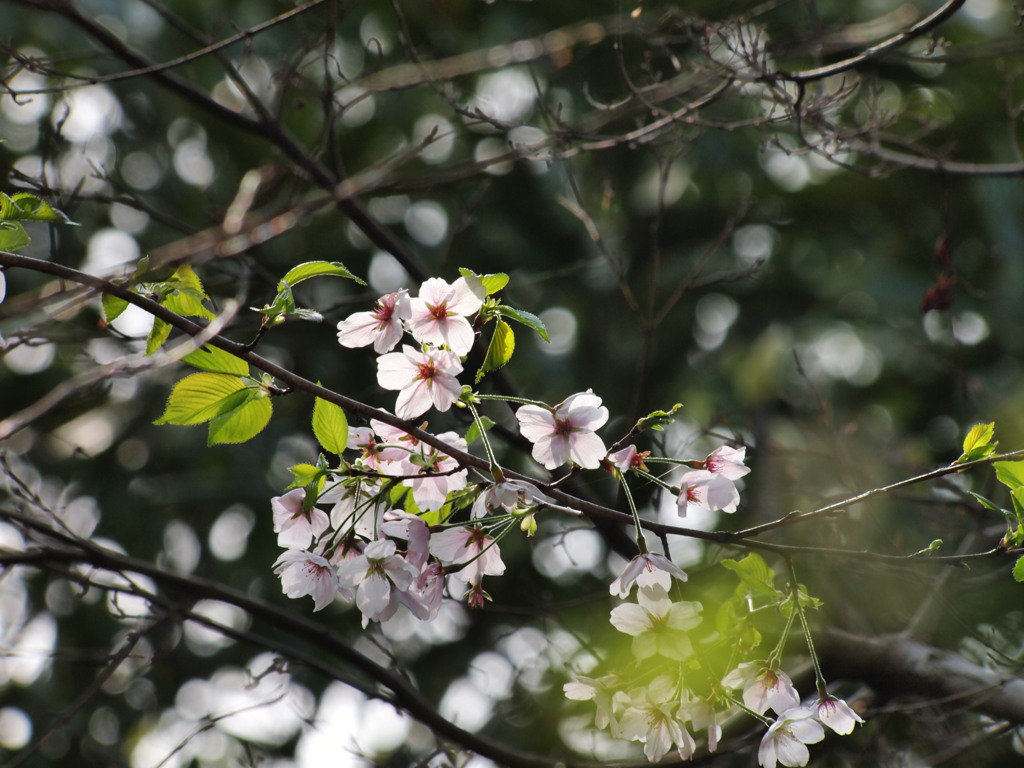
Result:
<point x="980" y="444"/>
<point x="755" y="593"/>
<point x="20" y="207"/>
<point x="181" y="292"/>
<point x="236" y="405"/>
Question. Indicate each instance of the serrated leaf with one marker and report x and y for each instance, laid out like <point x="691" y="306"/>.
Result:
<point x="978" y="444"/>
<point x="526" y="318"/>
<point x="157" y="335"/>
<point x="489" y="283"/>
<point x="330" y="426"/>
<point x="200" y="397"/>
<point x="304" y="474"/>
<point x="185" y="294"/>
<point x="244" y="417"/>
<point x="13" y="237"/>
<point x="316" y="269"/>
<point x="473" y="433"/>
<point x="113" y="306"/>
<point x="1010" y="473"/>
<point x="755" y="574"/>
<point x="1018" y="569"/>
<point x="499" y="351"/>
<point x="216" y="360"/>
<point x="25" y="206"/>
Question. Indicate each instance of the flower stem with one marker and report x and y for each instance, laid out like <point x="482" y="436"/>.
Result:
<point x="496" y="472"/>
<point x="641" y="542"/>
<point x="798" y="609"/>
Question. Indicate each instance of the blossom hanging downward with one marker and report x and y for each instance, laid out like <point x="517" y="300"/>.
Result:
<point x="566" y="432"/>
<point x="424" y="379"/>
<point x="786" y="739"/>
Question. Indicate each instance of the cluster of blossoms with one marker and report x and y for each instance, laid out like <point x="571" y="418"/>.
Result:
<point x="365" y="552"/>
<point x="348" y="542"/>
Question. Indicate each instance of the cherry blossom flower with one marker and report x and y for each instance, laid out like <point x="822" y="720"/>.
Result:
<point x="599" y="690"/>
<point x="381" y="327"/>
<point x="763" y="688"/>
<point x="373" y="575"/>
<point x="402" y="525"/>
<point x="727" y="462"/>
<point x="304" y="573"/>
<point x="629" y="458"/>
<point x="702" y="488"/>
<point x="296" y="527"/>
<point x="468" y="544"/>
<point x="424" y="379"/>
<point x="657" y="624"/>
<point x="786" y="739"/>
<point x="508" y="495"/>
<point x="836" y="714"/>
<point x="652" y="718"/>
<point x="565" y="432"/>
<point x="438" y="315"/>
<point x="423" y="598"/>
<point x="646" y="569"/>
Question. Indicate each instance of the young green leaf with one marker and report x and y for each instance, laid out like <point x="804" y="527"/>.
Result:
<point x="200" y="397"/>
<point x="489" y="283"/>
<point x="316" y="269"/>
<point x="157" y="335"/>
<point x="186" y="294"/>
<point x="12" y="237"/>
<point x="524" y="317"/>
<point x="244" y="416"/>
<point x="304" y="474"/>
<point x="755" y="574"/>
<point x="216" y="360"/>
<point x="658" y="420"/>
<point x="978" y="444"/>
<point x="473" y="433"/>
<point x="330" y="426"/>
<point x="499" y="351"/>
<point x="25" y="206"/>
<point x="1010" y="473"/>
<point x="1018" y="569"/>
<point x="113" y="306"/>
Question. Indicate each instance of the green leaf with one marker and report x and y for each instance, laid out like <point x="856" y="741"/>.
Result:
<point x="755" y="574"/>
<point x="113" y="306"/>
<point x="473" y="433"/>
<point x="186" y="294"/>
<point x="1010" y="473"/>
<point x="200" y="397"/>
<point x="330" y="426"/>
<point x="304" y="474"/>
<point x="978" y="443"/>
<point x="1018" y="569"/>
<point x="13" y="237"/>
<point x="157" y="336"/>
<point x="489" y="283"/>
<point x="316" y="269"/>
<point x="27" y="207"/>
<point x="524" y="317"/>
<point x="244" y="416"/>
<point x="499" y="351"/>
<point x="1011" y="518"/>
<point x="216" y="360"/>
<point x="658" y="420"/>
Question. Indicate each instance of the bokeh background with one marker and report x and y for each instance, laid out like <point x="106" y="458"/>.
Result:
<point x="845" y="317"/>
